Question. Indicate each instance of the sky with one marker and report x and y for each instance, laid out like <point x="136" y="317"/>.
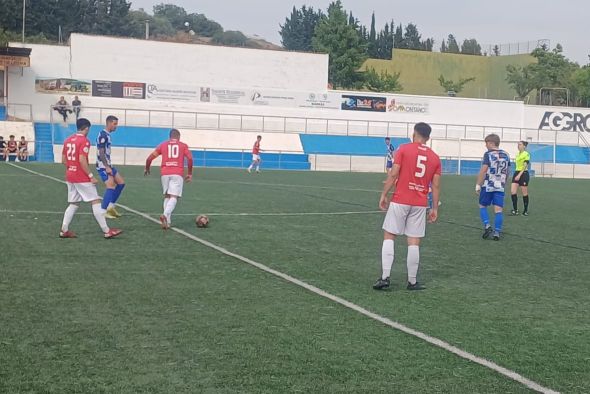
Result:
<point x="490" y="22"/>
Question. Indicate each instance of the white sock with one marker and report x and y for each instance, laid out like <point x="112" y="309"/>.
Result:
<point x="68" y="217"/>
<point x="165" y="203"/>
<point x="100" y="219"/>
<point x="387" y="255"/>
<point x="413" y="262"/>
<point x="170" y="208"/>
<point x="258" y="167"/>
<point x="111" y="206"/>
<point x="251" y="165"/>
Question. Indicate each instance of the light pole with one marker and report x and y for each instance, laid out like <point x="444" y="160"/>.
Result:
<point x="147" y="29"/>
<point x="24" y="13"/>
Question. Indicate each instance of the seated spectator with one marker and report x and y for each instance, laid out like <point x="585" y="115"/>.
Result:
<point x="2" y="148"/>
<point x="11" y="149"/>
<point x="76" y="106"/>
<point x="62" y="108"/>
<point x="23" y="149"/>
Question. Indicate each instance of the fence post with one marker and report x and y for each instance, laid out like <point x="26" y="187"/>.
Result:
<point x="347" y="126"/>
<point x="280" y="153"/>
<point x="196" y="120"/>
<point x="284" y="125"/>
<point x="173" y="119"/>
<point x="305" y="125"/>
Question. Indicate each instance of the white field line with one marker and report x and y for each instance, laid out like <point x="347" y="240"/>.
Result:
<point x="388" y="322"/>
<point x="11" y="211"/>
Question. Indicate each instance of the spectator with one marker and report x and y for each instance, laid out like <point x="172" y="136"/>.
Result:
<point x="2" y="148"/>
<point x="76" y="106"/>
<point x="23" y="149"/>
<point x="62" y="108"/>
<point x="11" y="149"/>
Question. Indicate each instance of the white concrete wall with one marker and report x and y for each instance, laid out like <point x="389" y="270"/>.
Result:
<point x="19" y="129"/>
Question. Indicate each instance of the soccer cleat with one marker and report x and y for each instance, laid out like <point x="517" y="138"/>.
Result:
<point x="67" y="234"/>
<point x="112" y="213"/>
<point x="415" y="286"/>
<point x="525" y="213"/>
<point x="164" y="222"/>
<point x="249" y="170"/>
<point x="514" y="212"/>
<point x="487" y="232"/>
<point x="113" y="233"/>
<point x="381" y="284"/>
<point x="496" y="236"/>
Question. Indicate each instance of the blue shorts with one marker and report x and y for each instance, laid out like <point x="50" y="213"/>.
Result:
<point x="389" y="165"/>
<point x="103" y="173"/>
<point x="491" y="198"/>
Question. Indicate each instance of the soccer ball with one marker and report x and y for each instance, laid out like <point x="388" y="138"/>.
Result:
<point x="202" y="221"/>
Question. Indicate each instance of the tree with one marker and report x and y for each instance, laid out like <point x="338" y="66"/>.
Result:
<point x="412" y="38"/>
<point x="176" y="15"/>
<point x="451" y="86"/>
<point x="298" y="30"/>
<point x="519" y="79"/>
<point x="231" y="38"/>
<point x="443" y="46"/>
<point x="341" y="41"/>
<point x="203" y="26"/>
<point x="452" y="46"/>
<point x="471" y="47"/>
<point x="581" y="81"/>
<point x="372" y="39"/>
<point x="398" y="36"/>
<point x="382" y="82"/>
<point x="427" y="45"/>
<point x="496" y="50"/>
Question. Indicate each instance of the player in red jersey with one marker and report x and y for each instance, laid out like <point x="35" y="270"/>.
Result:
<point x="11" y="149"/>
<point x="256" y="155"/>
<point x="416" y="167"/>
<point x="173" y="154"/>
<point x="81" y="182"/>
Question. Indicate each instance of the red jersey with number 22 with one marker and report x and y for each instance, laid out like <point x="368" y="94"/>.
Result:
<point x="418" y="165"/>
<point x="173" y="153"/>
<point x="75" y="146"/>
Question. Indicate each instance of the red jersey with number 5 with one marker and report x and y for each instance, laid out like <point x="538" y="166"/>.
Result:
<point x="418" y="165"/>
<point x="173" y="154"/>
<point x="75" y="146"/>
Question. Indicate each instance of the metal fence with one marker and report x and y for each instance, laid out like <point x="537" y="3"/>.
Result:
<point x="19" y="112"/>
<point x="306" y="125"/>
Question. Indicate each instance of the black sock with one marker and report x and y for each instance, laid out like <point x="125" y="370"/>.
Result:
<point x="525" y="200"/>
<point x="515" y="202"/>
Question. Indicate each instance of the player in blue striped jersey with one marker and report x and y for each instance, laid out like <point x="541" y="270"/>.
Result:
<point x="490" y="186"/>
<point x="112" y="179"/>
<point x="389" y="154"/>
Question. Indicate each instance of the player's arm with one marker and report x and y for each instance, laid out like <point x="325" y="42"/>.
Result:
<point x="435" y="198"/>
<point x="86" y="167"/>
<point x="189" y="165"/>
<point x="480" y="177"/>
<point x="63" y="159"/>
<point x="102" y="156"/>
<point x="389" y="185"/>
<point x="148" y="161"/>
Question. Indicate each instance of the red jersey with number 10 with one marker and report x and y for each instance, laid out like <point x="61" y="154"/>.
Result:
<point x="418" y="165"/>
<point x="173" y="154"/>
<point x="75" y="146"/>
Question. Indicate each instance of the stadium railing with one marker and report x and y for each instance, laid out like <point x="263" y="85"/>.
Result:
<point x="19" y="112"/>
<point x="308" y="125"/>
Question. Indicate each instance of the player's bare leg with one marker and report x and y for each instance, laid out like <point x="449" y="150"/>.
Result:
<point x="413" y="263"/>
<point x="68" y="217"/>
<point x="387" y="257"/>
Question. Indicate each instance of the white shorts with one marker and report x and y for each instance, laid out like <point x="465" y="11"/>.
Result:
<point x="78" y="192"/>
<point x="172" y="184"/>
<point x="255" y="157"/>
<point x="405" y="220"/>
